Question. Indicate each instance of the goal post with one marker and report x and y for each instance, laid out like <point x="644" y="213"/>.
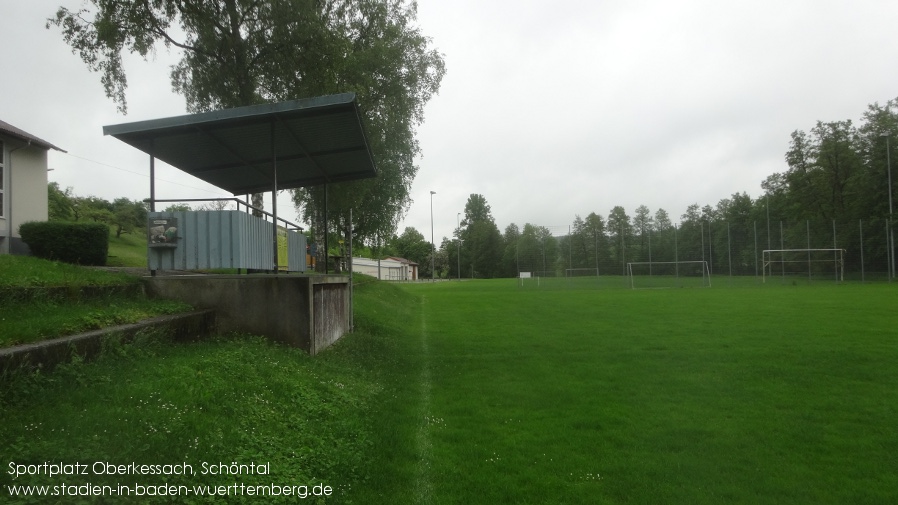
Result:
<point x="668" y="274"/>
<point x="581" y="272"/>
<point x="803" y="262"/>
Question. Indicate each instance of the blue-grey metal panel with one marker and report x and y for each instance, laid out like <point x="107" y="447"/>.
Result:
<point x="215" y="239"/>
<point x="296" y="252"/>
<point x="258" y="242"/>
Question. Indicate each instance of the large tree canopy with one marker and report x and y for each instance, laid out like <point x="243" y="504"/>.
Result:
<point x="244" y="52"/>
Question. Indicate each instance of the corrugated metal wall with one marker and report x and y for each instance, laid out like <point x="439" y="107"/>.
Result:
<point x="222" y="239"/>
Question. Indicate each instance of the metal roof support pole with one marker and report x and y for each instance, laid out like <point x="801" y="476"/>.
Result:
<point x="351" y="323"/>
<point x="326" y="230"/>
<point x="152" y="178"/>
<point x="152" y="188"/>
<point x="274" y="197"/>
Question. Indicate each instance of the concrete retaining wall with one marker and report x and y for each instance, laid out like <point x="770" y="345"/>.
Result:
<point x="309" y="312"/>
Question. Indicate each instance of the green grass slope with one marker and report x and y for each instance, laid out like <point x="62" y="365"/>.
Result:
<point x="42" y="299"/>
<point x="129" y="250"/>
<point x="331" y="420"/>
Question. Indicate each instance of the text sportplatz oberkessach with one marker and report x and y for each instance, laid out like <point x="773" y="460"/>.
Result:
<point x="55" y="469"/>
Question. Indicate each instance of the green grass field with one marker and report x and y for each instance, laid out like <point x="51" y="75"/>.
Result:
<point x="775" y="394"/>
<point x="487" y="392"/>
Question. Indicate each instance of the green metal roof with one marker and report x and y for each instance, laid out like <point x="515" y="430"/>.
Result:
<point x="314" y="140"/>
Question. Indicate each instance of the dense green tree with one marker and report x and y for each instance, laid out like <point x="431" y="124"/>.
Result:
<point x="586" y="239"/>
<point x="509" y="266"/>
<point x="483" y="245"/>
<point x="91" y="208"/>
<point x="642" y="229"/>
<point x="482" y="252"/>
<point x="59" y="203"/>
<point x="822" y="169"/>
<point x="128" y="215"/>
<point x="690" y="234"/>
<point x="411" y="245"/>
<point x="878" y="148"/>
<point x="594" y="226"/>
<point x="177" y="207"/>
<point x="476" y="209"/>
<point x="620" y="233"/>
<point x="537" y="250"/>
<point x="664" y="238"/>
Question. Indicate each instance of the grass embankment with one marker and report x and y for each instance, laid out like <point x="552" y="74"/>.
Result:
<point x="129" y="250"/>
<point x="42" y="299"/>
<point x="775" y="394"/>
<point x="338" y="419"/>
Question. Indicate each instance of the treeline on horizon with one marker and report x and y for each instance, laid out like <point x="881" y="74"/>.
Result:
<point x="837" y="172"/>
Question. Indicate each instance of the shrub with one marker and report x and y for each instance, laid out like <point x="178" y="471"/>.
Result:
<point x="78" y="243"/>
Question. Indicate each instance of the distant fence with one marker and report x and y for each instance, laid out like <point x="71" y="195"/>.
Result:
<point x="730" y="248"/>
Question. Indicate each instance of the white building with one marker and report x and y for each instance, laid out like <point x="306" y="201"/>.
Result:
<point x="389" y="269"/>
<point x="23" y="184"/>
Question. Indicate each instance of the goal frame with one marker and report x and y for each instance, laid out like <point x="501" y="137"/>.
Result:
<point x="593" y="272"/>
<point x="768" y="262"/>
<point x="706" y="272"/>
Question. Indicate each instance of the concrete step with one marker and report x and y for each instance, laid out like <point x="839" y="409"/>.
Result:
<point x="47" y="354"/>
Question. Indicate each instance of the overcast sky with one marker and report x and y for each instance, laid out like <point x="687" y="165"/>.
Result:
<point x="548" y="109"/>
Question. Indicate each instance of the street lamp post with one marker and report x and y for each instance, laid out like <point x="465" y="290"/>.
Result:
<point x="458" y="243"/>
<point x="432" y="244"/>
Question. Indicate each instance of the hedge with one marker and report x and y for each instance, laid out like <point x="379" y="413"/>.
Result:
<point x="78" y="243"/>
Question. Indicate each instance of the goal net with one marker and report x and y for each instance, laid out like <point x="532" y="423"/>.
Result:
<point x="581" y="272"/>
<point x="804" y="263"/>
<point x="668" y="274"/>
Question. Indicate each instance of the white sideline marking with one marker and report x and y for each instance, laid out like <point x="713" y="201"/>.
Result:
<point x="423" y="485"/>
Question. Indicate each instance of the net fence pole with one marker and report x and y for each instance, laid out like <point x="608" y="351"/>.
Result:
<point x="650" y="251"/>
<point x="755" y="223"/>
<point x="623" y="253"/>
<point x="808" y="227"/>
<point x="710" y="253"/>
<point x="729" y="251"/>
<point x="701" y="227"/>
<point x="836" y="254"/>
<point x="860" y="228"/>
<point x="676" y="255"/>
<point x="570" y="253"/>
<point x="782" y="262"/>
<point x="596" y="237"/>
